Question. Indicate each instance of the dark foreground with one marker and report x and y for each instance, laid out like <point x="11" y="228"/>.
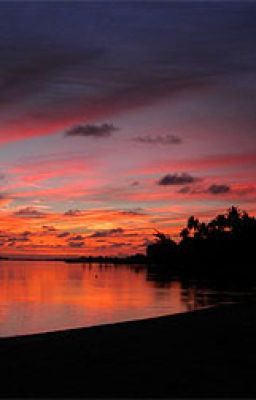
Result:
<point x="209" y="353"/>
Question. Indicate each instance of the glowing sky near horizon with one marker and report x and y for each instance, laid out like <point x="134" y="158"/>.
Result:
<point x="118" y="118"/>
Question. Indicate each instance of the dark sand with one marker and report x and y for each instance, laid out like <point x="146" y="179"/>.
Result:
<point x="208" y="353"/>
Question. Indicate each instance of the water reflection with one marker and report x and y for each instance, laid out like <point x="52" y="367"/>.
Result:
<point x="204" y="293"/>
<point x="44" y="296"/>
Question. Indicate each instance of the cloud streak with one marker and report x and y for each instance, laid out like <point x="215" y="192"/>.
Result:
<point x="76" y="244"/>
<point x="160" y="139"/>
<point x="73" y="213"/>
<point x="108" y="233"/>
<point x="214" y="189"/>
<point x="176" y="179"/>
<point x="218" y="189"/>
<point x="30" y="212"/>
<point x="95" y="131"/>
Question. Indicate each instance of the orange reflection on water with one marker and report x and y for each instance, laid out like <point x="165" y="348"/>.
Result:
<point x="44" y="296"/>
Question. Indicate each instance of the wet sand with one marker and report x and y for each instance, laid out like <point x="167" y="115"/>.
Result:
<point x="207" y="353"/>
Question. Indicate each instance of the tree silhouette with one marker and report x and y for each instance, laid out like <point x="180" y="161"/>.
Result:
<point x="184" y="234"/>
<point x="163" y="250"/>
<point x="223" y="244"/>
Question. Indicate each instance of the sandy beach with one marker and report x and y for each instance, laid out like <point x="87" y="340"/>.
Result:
<point x="207" y="353"/>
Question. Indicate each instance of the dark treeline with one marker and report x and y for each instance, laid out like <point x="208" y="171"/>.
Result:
<point x="223" y="246"/>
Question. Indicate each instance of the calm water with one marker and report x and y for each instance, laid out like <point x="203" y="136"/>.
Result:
<point x="46" y="296"/>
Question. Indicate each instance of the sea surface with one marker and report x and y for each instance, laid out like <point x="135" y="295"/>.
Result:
<point x="41" y="296"/>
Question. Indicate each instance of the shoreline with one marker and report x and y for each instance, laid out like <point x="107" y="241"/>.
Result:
<point x="107" y="324"/>
<point x="206" y="353"/>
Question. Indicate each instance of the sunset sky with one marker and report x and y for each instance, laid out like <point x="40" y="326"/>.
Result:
<point x="118" y="118"/>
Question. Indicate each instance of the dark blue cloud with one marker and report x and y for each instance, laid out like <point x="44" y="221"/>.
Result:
<point x="30" y="212"/>
<point x="107" y="233"/>
<point x="176" y="179"/>
<point x="218" y="189"/>
<point x="97" y="131"/>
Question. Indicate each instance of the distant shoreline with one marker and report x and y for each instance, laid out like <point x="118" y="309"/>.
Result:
<point x="101" y="259"/>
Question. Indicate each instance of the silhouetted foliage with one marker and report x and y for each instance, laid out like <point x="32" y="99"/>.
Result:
<point x="222" y="246"/>
<point x="163" y="249"/>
